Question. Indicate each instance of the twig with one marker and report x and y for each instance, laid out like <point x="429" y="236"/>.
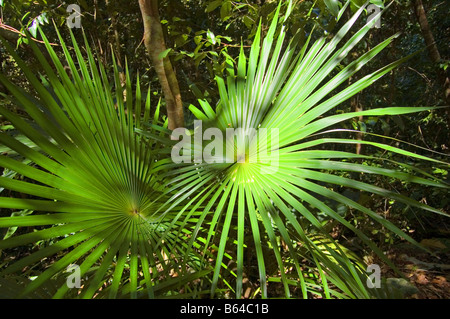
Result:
<point x="11" y="29"/>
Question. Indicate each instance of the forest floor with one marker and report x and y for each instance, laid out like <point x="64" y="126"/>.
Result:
<point x="427" y="274"/>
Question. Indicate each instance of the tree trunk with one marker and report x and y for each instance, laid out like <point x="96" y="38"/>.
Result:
<point x="116" y="51"/>
<point x="155" y="45"/>
<point x="116" y="39"/>
<point x="357" y="107"/>
<point x="431" y="46"/>
<point x="426" y="32"/>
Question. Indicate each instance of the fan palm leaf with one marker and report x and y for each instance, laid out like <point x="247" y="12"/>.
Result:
<point x="273" y="191"/>
<point x="89" y="180"/>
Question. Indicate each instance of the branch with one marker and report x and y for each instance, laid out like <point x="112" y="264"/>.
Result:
<point x="12" y="35"/>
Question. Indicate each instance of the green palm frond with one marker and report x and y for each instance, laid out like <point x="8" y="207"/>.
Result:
<point x="277" y="191"/>
<point x="89" y="179"/>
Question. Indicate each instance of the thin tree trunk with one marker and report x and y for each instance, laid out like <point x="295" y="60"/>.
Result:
<point x="155" y="45"/>
<point x="426" y="32"/>
<point x="357" y="107"/>
<point x="117" y="53"/>
<point x="431" y="46"/>
<point x="354" y="102"/>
